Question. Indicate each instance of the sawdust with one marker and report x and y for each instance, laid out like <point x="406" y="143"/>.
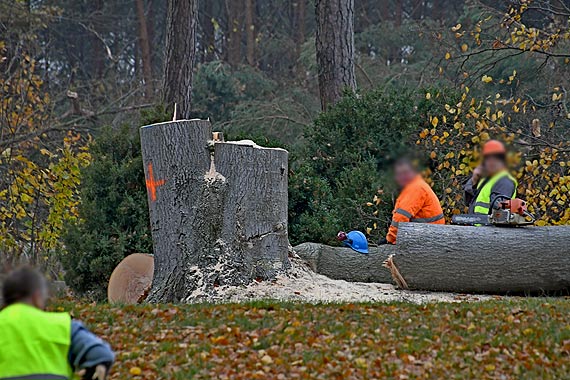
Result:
<point x="301" y="284"/>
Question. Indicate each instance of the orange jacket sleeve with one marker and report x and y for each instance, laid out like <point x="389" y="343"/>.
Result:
<point x="407" y="206"/>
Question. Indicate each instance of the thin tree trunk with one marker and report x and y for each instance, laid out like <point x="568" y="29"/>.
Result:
<point x="144" y="44"/>
<point x="300" y="16"/>
<point x="97" y="49"/>
<point x="209" y="32"/>
<point x="234" y="31"/>
<point x="417" y="10"/>
<point x="436" y="10"/>
<point x="335" y="49"/>
<point x="180" y="55"/>
<point x="300" y="25"/>
<point x="250" y="31"/>
<point x="399" y="12"/>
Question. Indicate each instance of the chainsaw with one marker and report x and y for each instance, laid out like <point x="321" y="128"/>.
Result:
<point x="511" y="212"/>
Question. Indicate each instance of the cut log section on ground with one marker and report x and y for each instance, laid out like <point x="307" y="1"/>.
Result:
<point x="131" y="279"/>
<point x="341" y="263"/>
<point x="218" y="210"/>
<point x="483" y="259"/>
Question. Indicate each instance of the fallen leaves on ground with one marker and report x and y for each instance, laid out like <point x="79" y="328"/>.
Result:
<point x="519" y="338"/>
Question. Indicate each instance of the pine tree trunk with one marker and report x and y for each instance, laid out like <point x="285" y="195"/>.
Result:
<point x="180" y="55"/>
<point x="335" y="49"/>
<point x="218" y="210"/>
<point x="300" y="24"/>
<point x="417" y="10"/>
<point x="399" y="12"/>
<point x="209" y="33"/>
<point x="144" y="44"/>
<point x="234" y="29"/>
<point x="250" y="31"/>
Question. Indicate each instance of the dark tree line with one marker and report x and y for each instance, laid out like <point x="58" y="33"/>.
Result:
<point x="113" y="51"/>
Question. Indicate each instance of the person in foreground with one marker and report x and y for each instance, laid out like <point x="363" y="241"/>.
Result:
<point x="35" y="344"/>
<point x="491" y="182"/>
<point x="416" y="203"/>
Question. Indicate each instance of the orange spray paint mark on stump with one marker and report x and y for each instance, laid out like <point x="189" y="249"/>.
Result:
<point x="152" y="184"/>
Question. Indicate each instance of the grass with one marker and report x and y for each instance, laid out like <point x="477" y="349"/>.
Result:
<point x="519" y="338"/>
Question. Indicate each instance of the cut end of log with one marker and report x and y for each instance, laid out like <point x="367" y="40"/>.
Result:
<point x="131" y="279"/>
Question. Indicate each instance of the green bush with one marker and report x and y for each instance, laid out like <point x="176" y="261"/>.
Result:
<point x="114" y="218"/>
<point x="218" y="89"/>
<point x="349" y="152"/>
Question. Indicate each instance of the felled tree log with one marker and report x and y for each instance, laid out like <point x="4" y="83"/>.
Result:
<point x="483" y="259"/>
<point x="341" y="263"/>
<point x="218" y="210"/>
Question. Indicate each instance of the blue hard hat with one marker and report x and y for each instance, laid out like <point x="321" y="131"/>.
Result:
<point x="357" y="241"/>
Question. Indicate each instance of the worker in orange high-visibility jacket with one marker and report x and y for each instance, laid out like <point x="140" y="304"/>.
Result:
<point x="416" y="203"/>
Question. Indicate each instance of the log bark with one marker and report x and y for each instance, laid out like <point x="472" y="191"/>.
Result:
<point x="484" y="259"/>
<point x="218" y="210"/>
<point x="180" y="55"/>
<point x="335" y="49"/>
<point x="341" y="263"/>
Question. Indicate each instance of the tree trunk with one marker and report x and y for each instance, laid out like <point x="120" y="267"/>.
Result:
<point x="342" y="263"/>
<point x="417" y="10"/>
<point x="144" y="43"/>
<point x="209" y="32"/>
<point x="250" y="31"/>
<point x="97" y="49"/>
<point x="483" y="259"/>
<point x="217" y="219"/>
<point x="234" y="29"/>
<point x="399" y="12"/>
<point x="335" y="49"/>
<point x="300" y="25"/>
<point x="436" y="10"/>
<point x="180" y="55"/>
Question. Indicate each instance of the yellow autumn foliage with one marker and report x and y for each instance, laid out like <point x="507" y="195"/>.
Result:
<point x="38" y="188"/>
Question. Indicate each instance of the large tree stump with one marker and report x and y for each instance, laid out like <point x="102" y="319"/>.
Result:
<point x="483" y="259"/>
<point x="341" y="263"/>
<point x="218" y="210"/>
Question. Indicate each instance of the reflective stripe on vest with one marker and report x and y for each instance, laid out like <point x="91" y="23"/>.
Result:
<point x="427" y="220"/>
<point x="34" y="344"/>
<point x="483" y="202"/>
<point x="401" y="211"/>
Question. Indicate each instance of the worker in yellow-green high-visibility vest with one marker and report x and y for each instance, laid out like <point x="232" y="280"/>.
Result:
<point x="38" y="345"/>
<point x="491" y="182"/>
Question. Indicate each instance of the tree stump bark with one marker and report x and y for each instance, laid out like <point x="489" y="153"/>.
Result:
<point x="483" y="259"/>
<point x="341" y="263"/>
<point x="218" y="210"/>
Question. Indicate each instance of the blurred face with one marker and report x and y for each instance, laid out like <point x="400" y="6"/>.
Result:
<point x="39" y="297"/>
<point x="404" y="174"/>
<point x="492" y="165"/>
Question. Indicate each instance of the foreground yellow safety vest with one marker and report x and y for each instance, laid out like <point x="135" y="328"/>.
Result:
<point x="483" y="201"/>
<point x="34" y="344"/>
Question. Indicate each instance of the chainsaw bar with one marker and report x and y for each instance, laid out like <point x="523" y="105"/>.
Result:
<point x="471" y="219"/>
